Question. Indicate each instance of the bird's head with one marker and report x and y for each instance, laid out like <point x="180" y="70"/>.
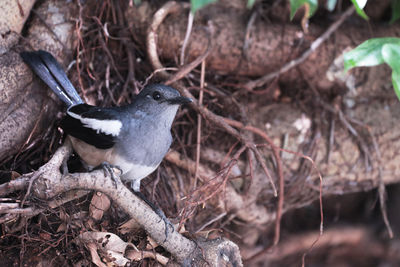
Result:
<point x="161" y="101"/>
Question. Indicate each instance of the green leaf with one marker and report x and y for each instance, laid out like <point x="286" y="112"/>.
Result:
<point x="391" y="55"/>
<point x="396" y="83"/>
<point x="330" y="4"/>
<point x="359" y="5"/>
<point x="296" y="4"/>
<point x="198" y="4"/>
<point x="395" y="10"/>
<point x="368" y="53"/>
<point x="250" y="3"/>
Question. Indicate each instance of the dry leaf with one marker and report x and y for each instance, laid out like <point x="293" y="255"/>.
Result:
<point x="93" y="253"/>
<point x="106" y="240"/>
<point x="100" y="203"/>
<point x="140" y="255"/>
<point x="63" y="216"/>
<point x="118" y="258"/>
<point x="67" y="197"/>
<point x="109" y="244"/>
<point x="14" y="175"/>
<point x="129" y="227"/>
<point x="74" y="221"/>
<point x="152" y="244"/>
<point x="182" y="229"/>
<point x="62" y="227"/>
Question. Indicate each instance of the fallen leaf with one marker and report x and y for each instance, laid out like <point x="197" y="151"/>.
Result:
<point x="140" y="255"/>
<point x="129" y="227"/>
<point x="62" y="227"/>
<point x="93" y="253"/>
<point x="118" y="258"/>
<point x="107" y="243"/>
<point x="152" y="243"/>
<point x="14" y="175"/>
<point x="100" y="203"/>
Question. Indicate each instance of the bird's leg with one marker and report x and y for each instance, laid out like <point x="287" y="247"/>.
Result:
<point x="158" y="211"/>
<point x="64" y="166"/>
<point x="108" y="170"/>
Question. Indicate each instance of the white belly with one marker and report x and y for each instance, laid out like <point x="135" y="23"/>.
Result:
<point x="132" y="171"/>
<point x="93" y="157"/>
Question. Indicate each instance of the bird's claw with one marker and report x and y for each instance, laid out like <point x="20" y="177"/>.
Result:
<point x="108" y="170"/>
<point x="167" y="223"/>
<point x="64" y="166"/>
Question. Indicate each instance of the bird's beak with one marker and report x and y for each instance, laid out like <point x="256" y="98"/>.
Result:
<point x="180" y="100"/>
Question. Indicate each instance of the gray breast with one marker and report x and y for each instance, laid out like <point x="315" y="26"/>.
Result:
<point x="145" y="142"/>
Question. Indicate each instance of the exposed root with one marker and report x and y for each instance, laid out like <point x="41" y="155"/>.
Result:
<point x="313" y="47"/>
<point x="48" y="182"/>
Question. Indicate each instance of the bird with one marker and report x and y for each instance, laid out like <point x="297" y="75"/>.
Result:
<point x="133" y="138"/>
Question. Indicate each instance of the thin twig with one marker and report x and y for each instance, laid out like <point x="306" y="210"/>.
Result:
<point x="28" y="191"/>
<point x="211" y="221"/>
<point x="78" y="29"/>
<point x="157" y="19"/>
<point x="381" y="188"/>
<point x="249" y="25"/>
<point x="313" y="47"/>
<point x="162" y="70"/>
<point x="294" y="245"/>
<point x="264" y="251"/>
<point x="8" y="218"/>
<point x="257" y="153"/>
<point x="218" y="120"/>
<point x="110" y="57"/>
<point x="194" y="200"/>
<point x="187" y="36"/>
<point x="331" y="139"/>
<point x="189" y="67"/>
<point x="49" y="185"/>
<point x="198" y="144"/>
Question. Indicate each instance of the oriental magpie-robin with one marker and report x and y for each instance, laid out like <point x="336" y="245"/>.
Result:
<point x="134" y="137"/>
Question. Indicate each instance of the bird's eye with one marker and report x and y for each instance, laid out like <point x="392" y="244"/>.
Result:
<point x="156" y="95"/>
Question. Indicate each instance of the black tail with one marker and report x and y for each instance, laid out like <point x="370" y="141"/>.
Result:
<point x="48" y="69"/>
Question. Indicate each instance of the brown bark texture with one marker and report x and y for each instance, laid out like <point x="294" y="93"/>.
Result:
<point x="25" y="110"/>
<point x="367" y="128"/>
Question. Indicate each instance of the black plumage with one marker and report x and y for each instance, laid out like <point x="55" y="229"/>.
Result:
<point x="76" y="128"/>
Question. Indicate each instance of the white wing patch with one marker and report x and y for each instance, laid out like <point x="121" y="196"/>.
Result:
<point x="112" y="127"/>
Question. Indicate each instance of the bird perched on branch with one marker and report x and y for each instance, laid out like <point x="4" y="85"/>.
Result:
<point x="134" y="138"/>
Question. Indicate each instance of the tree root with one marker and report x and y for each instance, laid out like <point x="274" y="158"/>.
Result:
<point x="49" y="183"/>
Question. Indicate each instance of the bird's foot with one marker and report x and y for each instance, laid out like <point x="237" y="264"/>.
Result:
<point x="167" y="223"/>
<point x="109" y="170"/>
<point x="64" y="167"/>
